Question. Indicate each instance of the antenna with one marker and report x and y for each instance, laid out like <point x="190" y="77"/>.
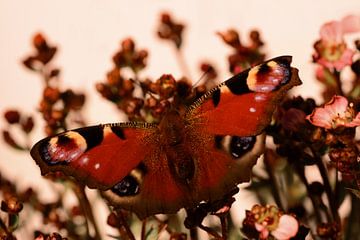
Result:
<point x="202" y="77"/>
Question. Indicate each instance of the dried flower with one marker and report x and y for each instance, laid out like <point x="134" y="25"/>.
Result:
<point x="44" y="53"/>
<point x="231" y="38"/>
<point x="12" y="116"/>
<point x="53" y="236"/>
<point x="243" y="56"/>
<point x="170" y="30"/>
<point x="167" y="86"/>
<point x="11" y="205"/>
<point x="293" y="119"/>
<point x="331" y="49"/>
<point x="128" y="56"/>
<point x="334" y="114"/>
<point x="327" y="230"/>
<point x="8" y="138"/>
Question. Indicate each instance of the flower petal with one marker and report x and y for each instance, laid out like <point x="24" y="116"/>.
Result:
<point x="337" y="106"/>
<point x="324" y="116"/>
<point x="332" y="32"/>
<point x="350" y="24"/>
<point x="345" y="59"/>
<point x="264" y="232"/>
<point x="287" y="228"/>
<point x="320" y="118"/>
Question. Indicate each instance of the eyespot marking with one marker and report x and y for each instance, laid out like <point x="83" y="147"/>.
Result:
<point x="241" y="145"/>
<point x="128" y="186"/>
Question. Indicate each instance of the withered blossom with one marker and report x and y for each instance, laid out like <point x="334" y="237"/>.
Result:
<point x="170" y="30"/>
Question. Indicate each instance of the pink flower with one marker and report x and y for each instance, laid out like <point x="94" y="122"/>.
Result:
<point x="286" y="228"/>
<point x="269" y="220"/>
<point x="331" y="49"/>
<point x="336" y="113"/>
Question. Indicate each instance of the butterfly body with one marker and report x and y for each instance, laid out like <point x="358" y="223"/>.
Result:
<point x="197" y="153"/>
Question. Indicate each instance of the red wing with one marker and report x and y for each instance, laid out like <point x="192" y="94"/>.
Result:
<point x="158" y="191"/>
<point x="243" y="105"/>
<point x="224" y="163"/>
<point x="220" y="164"/>
<point x="98" y="156"/>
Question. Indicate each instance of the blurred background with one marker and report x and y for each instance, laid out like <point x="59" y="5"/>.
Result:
<point x="88" y="32"/>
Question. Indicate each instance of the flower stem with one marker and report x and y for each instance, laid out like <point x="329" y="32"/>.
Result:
<point x="210" y="231"/>
<point x="182" y="63"/>
<point x="124" y="224"/>
<point x="328" y="190"/>
<point x="224" y="227"/>
<point x="352" y="229"/>
<point x="274" y="186"/>
<point x="193" y="234"/>
<point x="338" y="83"/>
<point x="4" y="228"/>
<point x="86" y="207"/>
<point x="143" y="229"/>
<point x="301" y="174"/>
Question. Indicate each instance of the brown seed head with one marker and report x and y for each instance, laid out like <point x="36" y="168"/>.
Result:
<point x="12" y="116"/>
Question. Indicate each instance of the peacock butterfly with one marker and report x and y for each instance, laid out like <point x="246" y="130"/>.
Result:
<point x="195" y="153"/>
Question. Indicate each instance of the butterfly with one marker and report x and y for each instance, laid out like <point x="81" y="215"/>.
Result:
<point x="195" y="153"/>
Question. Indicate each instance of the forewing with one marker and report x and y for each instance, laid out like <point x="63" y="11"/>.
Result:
<point x="243" y="105"/>
<point x="98" y="156"/>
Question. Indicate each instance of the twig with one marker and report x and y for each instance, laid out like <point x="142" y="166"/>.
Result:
<point x="273" y="183"/>
<point x="182" y="63"/>
<point x="339" y="90"/>
<point x="86" y="207"/>
<point x="210" y="231"/>
<point x="4" y="227"/>
<point x="193" y="234"/>
<point x="164" y="225"/>
<point x="300" y="172"/>
<point x="143" y="229"/>
<point x="124" y="224"/>
<point x="328" y="190"/>
<point x="224" y="227"/>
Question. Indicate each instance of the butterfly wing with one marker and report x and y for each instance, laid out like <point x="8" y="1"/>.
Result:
<point x="123" y="160"/>
<point x="228" y="121"/>
<point x="98" y="156"/>
<point x="243" y="105"/>
<point x="221" y="138"/>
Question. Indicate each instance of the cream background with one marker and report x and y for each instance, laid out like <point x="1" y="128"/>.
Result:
<point x="88" y="32"/>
